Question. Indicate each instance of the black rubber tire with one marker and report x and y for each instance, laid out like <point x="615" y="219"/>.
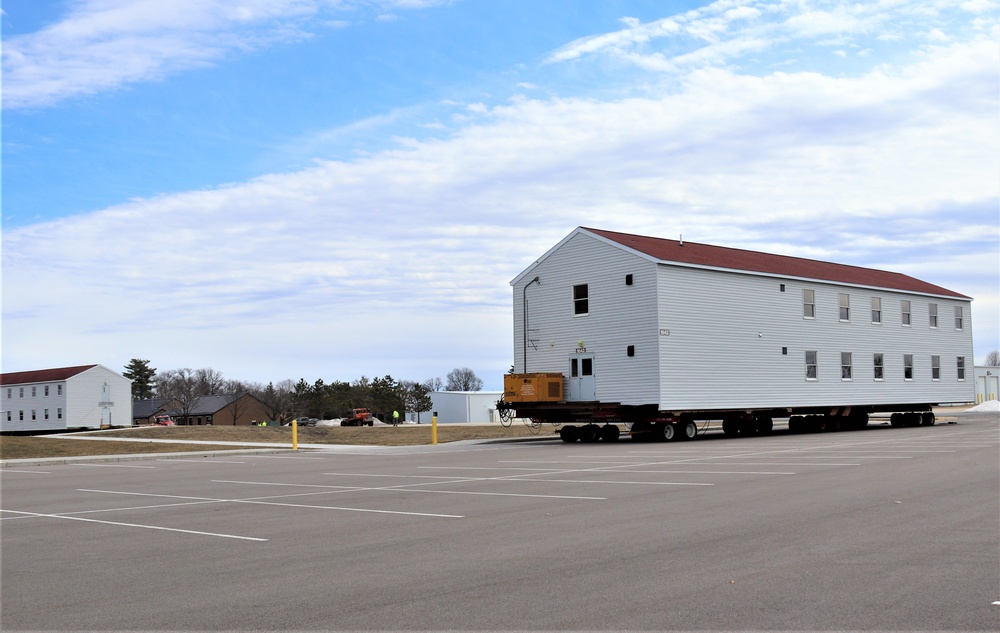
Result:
<point x="687" y="430"/>
<point x="665" y="432"/>
<point x="568" y="434"/>
<point x="588" y="433"/>
<point x="928" y="419"/>
<point x="610" y="433"/>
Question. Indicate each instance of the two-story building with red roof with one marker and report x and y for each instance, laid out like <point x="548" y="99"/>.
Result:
<point x="85" y="396"/>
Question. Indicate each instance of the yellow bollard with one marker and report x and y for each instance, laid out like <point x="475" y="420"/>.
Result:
<point x="295" y="434"/>
<point x="434" y="429"/>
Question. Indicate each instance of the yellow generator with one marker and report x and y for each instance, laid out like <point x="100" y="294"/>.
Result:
<point x="533" y="387"/>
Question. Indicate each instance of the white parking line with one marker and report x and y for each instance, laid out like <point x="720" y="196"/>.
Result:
<point x="200" y="461"/>
<point x="138" y="525"/>
<point x="409" y="488"/>
<point x="274" y="503"/>
<point x="111" y="465"/>
<point x="30" y="472"/>
<point x="607" y="469"/>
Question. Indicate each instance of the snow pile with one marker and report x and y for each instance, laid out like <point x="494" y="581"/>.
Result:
<point x="990" y="406"/>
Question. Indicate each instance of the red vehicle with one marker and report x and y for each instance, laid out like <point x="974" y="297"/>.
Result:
<point x="358" y="417"/>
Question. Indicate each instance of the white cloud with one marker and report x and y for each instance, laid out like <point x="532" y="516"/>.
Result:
<point x="398" y="262"/>
<point x="104" y="44"/>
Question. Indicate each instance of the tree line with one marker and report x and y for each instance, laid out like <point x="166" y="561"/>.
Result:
<point x="286" y="399"/>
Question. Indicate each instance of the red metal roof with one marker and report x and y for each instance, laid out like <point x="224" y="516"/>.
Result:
<point x="753" y="261"/>
<point x="42" y="375"/>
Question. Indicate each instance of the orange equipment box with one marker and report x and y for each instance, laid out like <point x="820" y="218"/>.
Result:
<point x="533" y="387"/>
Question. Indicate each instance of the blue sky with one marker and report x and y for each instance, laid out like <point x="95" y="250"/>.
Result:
<point x="335" y="188"/>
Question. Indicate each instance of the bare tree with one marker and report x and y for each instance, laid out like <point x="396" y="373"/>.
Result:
<point x="464" y="379"/>
<point x="993" y="358"/>
<point x="181" y="387"/>
<point x="210" y="382"/>
<point x="236" y="404"/>
<point x="434" y="384"/>
<point x="277" y="399"/>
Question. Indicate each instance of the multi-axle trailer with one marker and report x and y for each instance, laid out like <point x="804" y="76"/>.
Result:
<point x="664" y="335"/>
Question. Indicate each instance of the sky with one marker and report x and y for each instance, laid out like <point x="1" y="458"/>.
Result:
<point x="330" y="189"/>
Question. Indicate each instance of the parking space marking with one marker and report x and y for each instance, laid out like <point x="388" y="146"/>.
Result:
<point x="606" y="469"/>
<point x="113" y="466"/>
<point x="409" y="488"/>
<point x="275" y="503"/>
<point x="30" y="472"/>
<point x="138" y="525"/>
<point x="200" y="461"/>
<point x="525" y="478"/>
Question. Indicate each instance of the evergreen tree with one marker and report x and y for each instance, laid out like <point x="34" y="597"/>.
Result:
<point x="143" y="378"/>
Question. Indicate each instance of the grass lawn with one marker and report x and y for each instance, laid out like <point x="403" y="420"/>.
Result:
<point x="21" y="447"/>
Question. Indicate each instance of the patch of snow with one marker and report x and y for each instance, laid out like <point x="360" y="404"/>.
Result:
<point x="990" y="406"/>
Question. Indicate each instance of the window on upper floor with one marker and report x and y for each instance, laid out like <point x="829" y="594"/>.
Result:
<point x="935" y="368"/>
<point x="876" y="310"/>
<point x="34" y="391"/>
<point x="844" y="300"/>
<point x="932" y="314"/>
<point x="809" y="304"/>
<point x="46" y="389"/>
<point x="846" y="370"/>
<point x="960" y="363"/>
<point x="20" y="392"/>
<point x="812" y="366"/>
<point x="904" y="308"/>
<point x="907" y="366"/>
<point x="879" y="367"/>
<point x="581" y="299"/>
<point x="958" y="317"/>
<point x="10" y="393"/>
<point x="58" y="390"/>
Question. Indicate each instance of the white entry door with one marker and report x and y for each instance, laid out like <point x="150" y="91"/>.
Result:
<point x="582" y="387"/>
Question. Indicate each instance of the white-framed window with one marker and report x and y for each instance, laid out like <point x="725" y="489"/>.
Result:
<point x="958" y="317"/>
<point x="811" y="365"/>
<point x="9" y="416"/>
<point x="581" y="299"/>
<point x="846" y="370"/>
<point x="809" y="304"/>
<point x="879" y="366"/>
<point x="960" y="363"/>
<point x="10" y="392"/>
<point x="907" y="366"/>
<point x="34" y="392"/>
<point x="58" y="390"/>
<point x="935" y="368"/>
<point x="904" y="309"/>
<point x="34" y="416"/>
<point x="876" y="310"/>
<point x="20" y="392"/>
<point x="46" y="389"/>
<point x="20" y="416"/>
<point x="844" y="300"/>
<point x="59" y="413"/>
<point x="46" y="414"/>
<point x="932" y="314"/>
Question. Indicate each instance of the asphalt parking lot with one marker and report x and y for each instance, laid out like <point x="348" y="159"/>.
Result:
<point x="888" y="529"/>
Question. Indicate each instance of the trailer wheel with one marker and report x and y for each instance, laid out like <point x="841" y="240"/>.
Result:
<point x="764" y="426"/>
<point x="567" y="434"/>
<point x="588" y="433"/>
<point x="665" y="431"/>
<point x="928" y="418"/>
<point x="689" y="430"/>
<point x="610" y="433"/>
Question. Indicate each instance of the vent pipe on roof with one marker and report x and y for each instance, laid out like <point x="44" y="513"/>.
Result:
<point x="682" y="239"/>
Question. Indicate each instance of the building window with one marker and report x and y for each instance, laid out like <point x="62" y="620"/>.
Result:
<point x="58" y="390"/>
<point x="20" y="392"/>
<point x="9" y="416"/>
<point x="628" y="280"/>
<point x="932" y="314"/>
<point x="581" y="299"/>
<point x="958" y="317"/>
<point x="59" y="413"/>
<point x="879" y="367"/>
<point x="961" y="367"/>
<point x="876" y="310"/>
<point x="10" y="392"/>
<point x="20" y="415"/>
<point x="34" y="392"/>
<point x="935" y="368"/>
<point x="33" y="415"/>
<point x="907" y="366"/>
<point x="630" y="350"/>
<point x="46" y="390"/>
<point x="46" y="414"/>
<point x="844" y="300"/>
<point x="904" y="308"/>
<point x="809" y="304"/>
<point x="845" y="366"/>
<point x="811" y="365"/>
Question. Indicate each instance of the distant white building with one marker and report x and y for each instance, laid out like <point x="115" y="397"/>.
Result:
<point x="87" y="396"/>
<point x="462" y="407"/>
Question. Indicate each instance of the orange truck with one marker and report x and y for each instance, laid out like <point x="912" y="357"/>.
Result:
<point x="358" y="417"/>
